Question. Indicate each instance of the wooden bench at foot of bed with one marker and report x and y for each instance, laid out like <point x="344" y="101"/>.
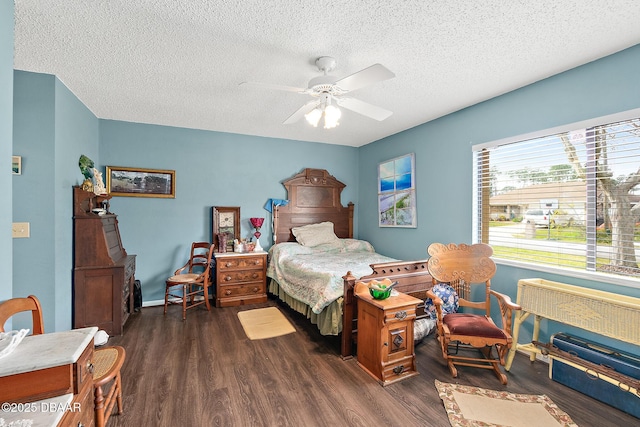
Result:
<point x="413" y="278"/>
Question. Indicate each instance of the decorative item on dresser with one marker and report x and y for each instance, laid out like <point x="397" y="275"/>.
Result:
<point x="257" y="223"/>
<point x="103" y="272"/>
<point x="225" y="226"/>
<point x="240" y="278"/>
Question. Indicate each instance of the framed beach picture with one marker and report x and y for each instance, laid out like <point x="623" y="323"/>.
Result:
<point x="397" y="192"/>
<point x="138" y="182"/>
<point x="16" y="165"/>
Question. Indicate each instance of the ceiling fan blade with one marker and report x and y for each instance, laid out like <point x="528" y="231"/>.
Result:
<point x="301" y="112"/>
<point x="364" y="108"/>
<point x="275" y="87"/>
<point x="373" y="74"/>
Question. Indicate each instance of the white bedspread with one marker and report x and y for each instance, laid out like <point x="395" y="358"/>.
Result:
<point x="314" y="275"/>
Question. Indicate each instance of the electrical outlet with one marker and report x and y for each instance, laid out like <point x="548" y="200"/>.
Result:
<point x="20" y="230"/>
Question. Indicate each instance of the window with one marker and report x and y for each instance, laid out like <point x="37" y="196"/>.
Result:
<point x="568" y="197"/>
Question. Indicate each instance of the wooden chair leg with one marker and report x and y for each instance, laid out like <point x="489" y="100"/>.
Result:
<point x="184" y="301"/>
<point x="206" y="297"/>
<point x="166" y="300"/>
<point x="118" y="383"/>
<point x="98" y="402"/>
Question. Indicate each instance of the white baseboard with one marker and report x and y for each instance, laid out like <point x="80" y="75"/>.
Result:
<point x="154" y="303"/>
<point x="157" y="302"/>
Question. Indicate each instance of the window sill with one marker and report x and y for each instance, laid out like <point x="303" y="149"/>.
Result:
<point x="587" y="275"/>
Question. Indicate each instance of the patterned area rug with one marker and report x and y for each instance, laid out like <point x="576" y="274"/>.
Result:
<point x="473" y="406"/>
<point x="264" y="323"/>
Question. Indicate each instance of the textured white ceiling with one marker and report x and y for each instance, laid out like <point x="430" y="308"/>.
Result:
<point x="180" y="63"/>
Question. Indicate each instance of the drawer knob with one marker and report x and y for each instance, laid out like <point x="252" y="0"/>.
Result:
<point x="398" y="369"/>
<point x="255" y="290"/>
<point x="90" y="367"/>
<point x="254" y="275"/>
<point x="401" y="315"/>
<point x="227" y="278"/>
<point x="227" y="292"/>
<point x="228" y="264"/>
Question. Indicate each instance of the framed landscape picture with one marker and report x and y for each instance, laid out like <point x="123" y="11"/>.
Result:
<point x="138" y="182"/>
<point x="397" y="192"/>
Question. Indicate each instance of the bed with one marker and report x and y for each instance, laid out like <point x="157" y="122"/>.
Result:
<point x="317" y="278"/>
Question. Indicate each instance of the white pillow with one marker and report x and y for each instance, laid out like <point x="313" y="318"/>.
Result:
<point x="315" y="234"/>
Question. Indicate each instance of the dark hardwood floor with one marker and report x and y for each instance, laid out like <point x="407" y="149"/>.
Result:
<point x="205" y="372"/>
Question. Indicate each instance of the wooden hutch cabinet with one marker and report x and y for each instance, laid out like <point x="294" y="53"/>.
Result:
<point x="103" y="272"/>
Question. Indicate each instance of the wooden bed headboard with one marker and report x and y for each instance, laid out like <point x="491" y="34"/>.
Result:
<point x="314" y="196"/>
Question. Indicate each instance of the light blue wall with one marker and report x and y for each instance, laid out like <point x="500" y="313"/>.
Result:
<point x="76" y="133"/>
<point x="51" y="129"/>
<point x="6" y="146"/>
<point x="444" y="159"/>
<point x="33" y="201"/>
<point x="212" y="169"/>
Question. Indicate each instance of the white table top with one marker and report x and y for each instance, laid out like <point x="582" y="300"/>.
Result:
<point x="47" y="350"/>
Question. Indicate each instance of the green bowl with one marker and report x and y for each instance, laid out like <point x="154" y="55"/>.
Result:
<point x="376" y="294"/>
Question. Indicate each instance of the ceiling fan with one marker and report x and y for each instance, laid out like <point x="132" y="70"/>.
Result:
<point x="326" y="90"/>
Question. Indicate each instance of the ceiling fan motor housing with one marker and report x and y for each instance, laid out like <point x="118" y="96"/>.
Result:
<point x="325" y="83"/>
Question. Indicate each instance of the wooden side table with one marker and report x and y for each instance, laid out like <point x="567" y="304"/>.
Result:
<point x="385" y="335"/>
<point x="241" y="278"/>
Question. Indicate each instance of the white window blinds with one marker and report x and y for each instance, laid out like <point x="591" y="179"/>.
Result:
<point x="569" y="198"/>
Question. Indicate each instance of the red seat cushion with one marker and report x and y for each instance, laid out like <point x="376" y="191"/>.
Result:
<point x="472" y="325"/>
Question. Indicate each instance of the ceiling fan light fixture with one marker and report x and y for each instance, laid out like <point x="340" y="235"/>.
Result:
<point x="331" y="116"/>
<point x="313" y="117"/>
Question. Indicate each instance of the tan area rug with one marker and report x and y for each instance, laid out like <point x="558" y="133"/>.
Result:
<point x="264" y="323"/>
<point x="473" y="406"/>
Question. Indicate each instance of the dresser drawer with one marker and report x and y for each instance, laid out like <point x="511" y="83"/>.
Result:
<point x="399" y="369"/>
<point x="257" y="288"/>
<point x="81" y="412"/>
<point x="83" y="369"/>
<point x="399" y="315"/>
<point x="49" y="382"/>
<point x="235" y="295"/>
<point x="241" y="262"/>
<point x="233" y="277"/>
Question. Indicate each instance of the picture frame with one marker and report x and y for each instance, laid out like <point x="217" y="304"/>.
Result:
<point x="140" y="182"/>
<point x="16" y="165"/>
<point x="397" y="192"/>
<point x="225" y="220"/>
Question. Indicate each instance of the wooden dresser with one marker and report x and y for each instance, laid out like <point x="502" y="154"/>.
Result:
<point x="103" y="272"/>
<point x="385" y="335"/>
<point x="48" y="379"/>
<point x="241" y="278"/>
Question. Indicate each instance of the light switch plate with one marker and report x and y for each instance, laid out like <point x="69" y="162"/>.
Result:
<point x="20" y="230"/>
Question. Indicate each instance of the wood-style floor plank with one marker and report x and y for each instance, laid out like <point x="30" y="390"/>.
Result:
<point x="205" y="372"/>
